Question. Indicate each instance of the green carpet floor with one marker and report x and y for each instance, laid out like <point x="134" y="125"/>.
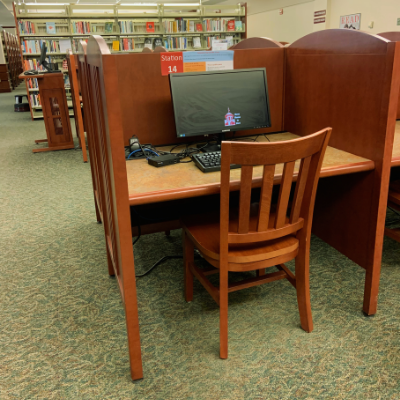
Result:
<point x="62" y="327"/>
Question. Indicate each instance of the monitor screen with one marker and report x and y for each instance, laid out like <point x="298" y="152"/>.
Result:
<point x="221" y="101"/>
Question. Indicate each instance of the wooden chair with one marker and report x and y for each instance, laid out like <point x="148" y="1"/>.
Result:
<point x="256" y="238"/>
<point x="394" y="202"/>
<point x="160" y="49"/>
<point x="147" y="50"/>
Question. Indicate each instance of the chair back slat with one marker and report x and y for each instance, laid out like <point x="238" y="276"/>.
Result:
<point x="284" y="194"/>
<point x="265" y="197"/>
<point x="299" y="191"/>
<point x="245" y="199"/>
<point x="251" y="228"/>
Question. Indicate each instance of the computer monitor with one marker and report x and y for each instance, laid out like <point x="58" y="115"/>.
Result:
<point x="50" y="67"/>
<point x="217" y="102"/>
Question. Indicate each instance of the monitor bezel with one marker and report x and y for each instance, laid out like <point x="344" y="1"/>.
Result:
<point x="231" y="129"/>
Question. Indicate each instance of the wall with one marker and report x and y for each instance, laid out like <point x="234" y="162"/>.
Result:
<point x="384" y="13"/>
<point x="294" y="23"/>
<point x="297" y="19"/>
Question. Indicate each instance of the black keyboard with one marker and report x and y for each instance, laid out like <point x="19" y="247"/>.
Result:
<point x="210" y="161"/>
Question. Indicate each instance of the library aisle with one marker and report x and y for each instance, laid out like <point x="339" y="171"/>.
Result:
<point x="63" y="330"/>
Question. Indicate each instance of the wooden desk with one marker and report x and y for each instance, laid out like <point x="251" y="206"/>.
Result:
<point x="396" y="146"/>
<point x="55" y="112"/>
<point x="148" y="184"/>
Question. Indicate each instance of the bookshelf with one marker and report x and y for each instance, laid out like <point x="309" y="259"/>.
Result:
<point x="10" y="62"/>
<point x="125" y="28"/>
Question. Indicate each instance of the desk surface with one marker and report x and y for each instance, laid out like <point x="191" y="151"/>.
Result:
<point x="396" y="146"/>
<point x="148" y="184"/>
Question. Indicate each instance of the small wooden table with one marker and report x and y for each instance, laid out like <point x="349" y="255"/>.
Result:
<point x="55" y="111"/>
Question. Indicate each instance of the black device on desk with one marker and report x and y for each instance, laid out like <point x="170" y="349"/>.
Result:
<point x="209" y="103"/>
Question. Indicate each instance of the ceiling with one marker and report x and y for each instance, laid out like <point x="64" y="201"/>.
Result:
<point x="7" y="18"/>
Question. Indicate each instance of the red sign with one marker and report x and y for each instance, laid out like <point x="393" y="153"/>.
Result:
<point x="319" y="20"/>
<point x="319" y="13"/>
<point x="150" y="27"/>
<point x="171" y="63"/>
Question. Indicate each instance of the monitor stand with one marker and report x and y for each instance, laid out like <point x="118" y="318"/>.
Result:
<point x="214" y="147"/>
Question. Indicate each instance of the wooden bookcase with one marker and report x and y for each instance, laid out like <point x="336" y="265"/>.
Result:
<point x="10" y="62"/>
<point x="124" y="27"/>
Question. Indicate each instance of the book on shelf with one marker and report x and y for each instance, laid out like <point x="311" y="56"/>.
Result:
<point x="231" y="25"/>
<point x="150" y="27"/>
<point x="65" y="44"/>
<point x="148" y="43"/>
<point x="66" y="80"/>
<point x="108" y="27"/>
<point x="196" y="42"/>
<point x="33" y="83"/>
<point x="179" y="25"/>
<point x="115" y="45"/>
<point x="238" y="26"/>
<point x="51" y="28"/>
<point x="158" y="42"/>
<point x="199" y="27"/>
<point x="230" y="40"/>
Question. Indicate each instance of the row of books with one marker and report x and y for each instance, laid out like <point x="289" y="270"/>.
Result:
<point x="177" y="42"/>
<point x="182" y="25"/>
<point x="49" y="28"/>
<point x="221" y="24"/>
<point x="35" y="46"/>
<point x="126" y="26"/>
<point x="33" y="63"/>
<point x="35" y="100"/>
<point x="84" y="27"/>
<point x="33" y="83"/>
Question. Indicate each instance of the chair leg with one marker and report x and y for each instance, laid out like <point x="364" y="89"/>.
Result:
<point x="223" y="312"/>
<point x="303" y="289"/>
<point x="188" y="257"/>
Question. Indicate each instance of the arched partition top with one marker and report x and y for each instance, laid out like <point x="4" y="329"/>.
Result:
<point x="256" y="43"/>
<point x="392" y="36"/>
<point x="82" y="47"/>
<point x="343" y="41"/>
<point x="96" y="48"/>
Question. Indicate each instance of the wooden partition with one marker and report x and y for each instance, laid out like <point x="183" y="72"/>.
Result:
<point x="146" y="98"/>
<point x="348" y="80"/>
<point x="345" y="79"/>
<point x="393" y="37"/>
<point x="107" y="132"/>
<point x="93" y="145"/>
<point x="76" y="101"/>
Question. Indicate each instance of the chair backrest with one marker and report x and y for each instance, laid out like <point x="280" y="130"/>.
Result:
<point x="147" y="50"/>
<point x="309" y="150"/>
<point x="160" y="49"/>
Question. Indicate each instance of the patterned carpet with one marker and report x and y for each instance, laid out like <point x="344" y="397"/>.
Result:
<point x="62" y="332"/>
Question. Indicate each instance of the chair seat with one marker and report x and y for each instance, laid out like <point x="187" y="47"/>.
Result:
<point x="204" y="231"/>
